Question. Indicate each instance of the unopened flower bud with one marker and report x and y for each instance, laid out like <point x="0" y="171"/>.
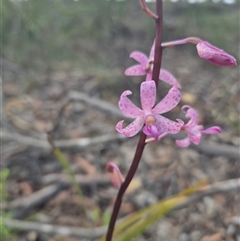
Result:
<point x="115" y="174"/>
<point x="215" y="55"/>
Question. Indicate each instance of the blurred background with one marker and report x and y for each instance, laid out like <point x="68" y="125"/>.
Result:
<point x="51" y="48"/>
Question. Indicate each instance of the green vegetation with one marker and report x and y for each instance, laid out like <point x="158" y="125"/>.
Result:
<point x="43" y="33"/>
<point x="56" y="30"/>
<point x="5" y="233"/>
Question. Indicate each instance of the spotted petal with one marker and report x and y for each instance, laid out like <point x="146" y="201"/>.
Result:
<point x="127" y="107"/>
<point x="139" y="57"/>
<point x="168" y="102"/>
<point x="192" y="114"/>
<point x="135" y="70"/>
<point x="168" y="78"/>
<point x="132" y="129"/>
<point x="195" y="138"/>
<point x="148" y="94"/>
<point x="167" y="125"/>
<point x="212" y="130"/>
<point x="184" y="142"/>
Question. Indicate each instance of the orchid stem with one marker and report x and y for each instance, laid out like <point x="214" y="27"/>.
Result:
<point x="193" y="40"/>
<point x="125" y="184"/>
<point x="142" y="139"/>
<point x="147" y="10"/>
<point x="158" y="41"/>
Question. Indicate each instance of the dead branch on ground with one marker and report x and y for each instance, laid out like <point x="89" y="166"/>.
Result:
<point x="206" y="147"/>
<point x="94" y="233"/>
<point x="64" y="144"/>
<point x="58" y="183"/>
<point x="89" y="233"/>
<point x="22" y="206"/>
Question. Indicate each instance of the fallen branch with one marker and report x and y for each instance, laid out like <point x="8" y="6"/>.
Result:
<point x="84" y="142"/>
<point x="96" y="103"/>
<point x="64" y="144"/>
<point x="233" y="220"/>
<point x="137" y="222"/>
<point x="212" y="148"/>
<point x="94" y="233"/>
<point x="88" y="233"/>
<point x="218" y="187"/>
<point x="25" y="140"/>
<point x="101" y="179"/>
<point x="24" y="205"/>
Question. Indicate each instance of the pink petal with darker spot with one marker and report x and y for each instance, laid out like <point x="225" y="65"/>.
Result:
<point x="139" y="57"/>
<point x="212" y="130"/>
<point x="132" y="129"/>
<point x="195" y="138"/>
<point x="192" y="114"/>
<point x="148" y="94"/>
<point x="168" y="102"/>
<point x="168" y="78"/>
<point x="127" y="107"/>
<point x="167" y="125"/>
<point x="183" y="143"/>
<point x="136" y="70"/>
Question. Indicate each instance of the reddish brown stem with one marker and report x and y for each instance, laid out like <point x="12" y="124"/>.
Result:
<point x="124" y="186"/>
<point x="141" y="142"/>
<point x="147" y="10"/>
<point x="158" y="41"/>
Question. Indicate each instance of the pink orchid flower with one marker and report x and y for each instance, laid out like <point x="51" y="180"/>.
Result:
<point x="115" y="174"/>
<point x="146" y="67"/>
<point x="215" y="55"/>
<point x="193" y="130"/>
<point x="148" y="115"/>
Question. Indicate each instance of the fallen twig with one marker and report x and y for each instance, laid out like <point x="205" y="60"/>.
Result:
<point x="218" y="187"/>
<point x="211" y="148"/>
<point x="94" y="233"/>
<point x="101" y="179"/>
<point x="24" y="205"/>
<point x="89" y="233"/>
<point x="25" y="140"/>
<point x="233" y="220"/>
<point x="64" y="144"/>
<point x="96" y="103"/>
